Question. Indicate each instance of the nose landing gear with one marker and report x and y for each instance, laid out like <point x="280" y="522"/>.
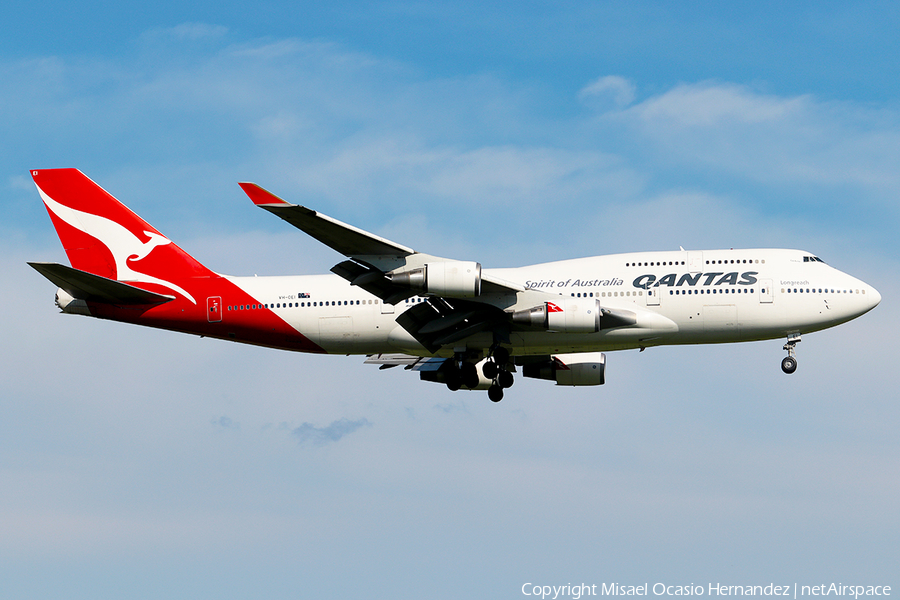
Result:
<point x="789" y="363"/>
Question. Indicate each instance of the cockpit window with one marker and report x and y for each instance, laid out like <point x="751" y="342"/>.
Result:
<point x="813" y="259"/>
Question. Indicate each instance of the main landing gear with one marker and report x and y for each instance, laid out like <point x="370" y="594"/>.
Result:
<point x="494" y="374"/>
<point x="789" y="363"/>
<point x="495" y="368"/>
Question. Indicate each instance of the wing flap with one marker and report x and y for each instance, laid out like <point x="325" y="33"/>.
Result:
<point x="408" y="362"/>
<point x="373" y="281"/>
<point x="87" y="286"/>
<point x="441" y="321"/>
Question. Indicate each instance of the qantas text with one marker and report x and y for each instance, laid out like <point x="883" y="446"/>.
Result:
<point x="693" y="279"/>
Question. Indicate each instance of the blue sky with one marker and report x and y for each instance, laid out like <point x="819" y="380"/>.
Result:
<point x="146" y="464"/>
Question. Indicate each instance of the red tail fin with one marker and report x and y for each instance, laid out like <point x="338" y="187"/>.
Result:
<point x="102" y="236"/>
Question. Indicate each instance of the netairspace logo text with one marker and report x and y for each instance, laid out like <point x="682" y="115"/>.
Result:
<point x="577" y="591"/>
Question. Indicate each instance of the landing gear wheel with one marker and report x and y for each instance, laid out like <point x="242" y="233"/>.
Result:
<point x="501" y="355"/>
<point x="495" y="393"/>
<point x="789" y="364"/>
<point x="490" y="369"/>
<point x="505" y="379"/>
<point x="469" y="375"/>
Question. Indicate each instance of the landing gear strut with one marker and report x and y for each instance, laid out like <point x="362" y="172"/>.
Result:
<point x="495" y="369"/>
<point x="789" y="363"/>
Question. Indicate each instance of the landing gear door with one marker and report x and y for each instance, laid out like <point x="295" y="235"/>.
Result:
<point x="766" y="294"/>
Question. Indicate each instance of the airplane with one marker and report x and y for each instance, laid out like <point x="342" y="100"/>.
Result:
<point x="452" y="321"/>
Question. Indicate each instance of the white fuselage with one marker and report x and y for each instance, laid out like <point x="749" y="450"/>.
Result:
<point x="684" y="297"/>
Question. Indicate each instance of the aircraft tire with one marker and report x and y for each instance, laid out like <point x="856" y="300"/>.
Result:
<point x="505" y="379"/>
<point x="495" y="393"/>
<point x="501" y="355"/>
<point x="490" y="369"/>
<point x="789" y="364"/>
<point x="470" y="375"/>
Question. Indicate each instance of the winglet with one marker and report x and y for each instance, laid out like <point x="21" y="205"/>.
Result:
<point x="261" y="196"/>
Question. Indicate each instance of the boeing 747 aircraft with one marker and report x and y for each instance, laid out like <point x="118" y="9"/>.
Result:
<point x="450" y="320"/>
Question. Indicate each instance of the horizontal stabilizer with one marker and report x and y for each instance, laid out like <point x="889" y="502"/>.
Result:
<point x="86" y="286"/>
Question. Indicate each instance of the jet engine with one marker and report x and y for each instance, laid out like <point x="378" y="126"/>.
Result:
<point x="566" y="315"/>
<point x="456" y="279"/>
<point x="586" y="368"/>
<point x="574" y="315"/>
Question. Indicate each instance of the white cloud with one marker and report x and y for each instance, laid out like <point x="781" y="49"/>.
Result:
<point x="718" y="104"/>
<point x="614" y="88"/>
<point x="307" y="432"/>
<point x="186" y="32"/>
<point x="771" y="140"/>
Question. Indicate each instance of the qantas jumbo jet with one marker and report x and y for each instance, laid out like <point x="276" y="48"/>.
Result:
<point x="450" y="320"/>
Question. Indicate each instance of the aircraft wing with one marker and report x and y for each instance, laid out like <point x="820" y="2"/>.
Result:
<point x="371" y="256"/>
<point x="346" y="239"/>
<point x="379" y="266"/>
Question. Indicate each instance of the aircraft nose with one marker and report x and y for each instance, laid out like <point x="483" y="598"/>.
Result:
<point x="874" y="297"/>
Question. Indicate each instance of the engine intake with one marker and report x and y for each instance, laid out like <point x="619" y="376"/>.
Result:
<point x="456" y="279"/>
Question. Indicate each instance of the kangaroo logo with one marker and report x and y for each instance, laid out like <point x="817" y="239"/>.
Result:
<point x="551" y="308"/>
<point x="122" y="244"/>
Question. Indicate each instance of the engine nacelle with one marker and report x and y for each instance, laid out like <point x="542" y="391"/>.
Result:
<point x="585" y="368"/>
<point x="566" y="315"/>
<point x="457" y="279"/>
<point x="448" y="371"/>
